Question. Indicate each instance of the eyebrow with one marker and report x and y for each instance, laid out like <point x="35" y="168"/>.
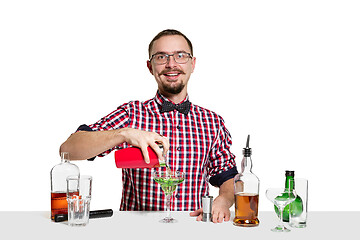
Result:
<point x="181" y="51"/>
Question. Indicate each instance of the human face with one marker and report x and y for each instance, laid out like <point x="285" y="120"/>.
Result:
<point x="171" y="77"/>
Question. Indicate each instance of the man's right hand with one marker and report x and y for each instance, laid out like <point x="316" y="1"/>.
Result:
<point x="143" y="139"/>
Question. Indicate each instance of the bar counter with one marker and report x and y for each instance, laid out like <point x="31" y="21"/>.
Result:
<point x="146" y="225"/>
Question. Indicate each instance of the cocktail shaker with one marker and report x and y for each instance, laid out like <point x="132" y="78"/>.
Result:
<point x="132" y="157"/>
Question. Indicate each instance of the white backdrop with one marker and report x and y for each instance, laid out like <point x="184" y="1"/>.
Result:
<point x="285" y="72"/>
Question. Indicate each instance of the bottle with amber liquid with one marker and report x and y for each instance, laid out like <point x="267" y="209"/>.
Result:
<point x="246" y="189"/>
<point x="58" y="175"/>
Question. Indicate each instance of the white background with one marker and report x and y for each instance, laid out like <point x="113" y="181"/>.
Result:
<point x="285" y="72"/>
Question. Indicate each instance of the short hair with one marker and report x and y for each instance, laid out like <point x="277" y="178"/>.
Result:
<point x="169" y="32"/>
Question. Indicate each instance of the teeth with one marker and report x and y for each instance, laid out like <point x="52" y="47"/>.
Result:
<point x="172" y="74"/>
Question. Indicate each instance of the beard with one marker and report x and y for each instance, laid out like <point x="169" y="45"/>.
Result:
<point x="174" y="89"/>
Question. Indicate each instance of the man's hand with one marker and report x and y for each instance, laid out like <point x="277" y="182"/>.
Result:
<point x="221" y="204"/>
<point x="143" y="139"/>
<point x="220" y="211"/>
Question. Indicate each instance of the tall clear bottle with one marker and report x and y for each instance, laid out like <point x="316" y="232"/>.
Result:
<point x="58" y="175"/>
<point x="246" y="189"/>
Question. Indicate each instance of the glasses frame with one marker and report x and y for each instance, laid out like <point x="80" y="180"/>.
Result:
<point x="168" y="57"/>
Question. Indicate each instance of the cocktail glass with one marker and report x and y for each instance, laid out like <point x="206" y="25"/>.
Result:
<point x="280" y="197"/>
<point x="168" y="181"/>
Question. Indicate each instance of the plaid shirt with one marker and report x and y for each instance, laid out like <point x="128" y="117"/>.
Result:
<point x="199" y="146"/>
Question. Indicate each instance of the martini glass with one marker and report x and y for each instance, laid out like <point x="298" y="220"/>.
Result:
<point x="281" y="197"/>
<point x="168" y="181"/>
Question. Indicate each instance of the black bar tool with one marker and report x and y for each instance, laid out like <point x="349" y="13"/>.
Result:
<point x="92" y="214"/>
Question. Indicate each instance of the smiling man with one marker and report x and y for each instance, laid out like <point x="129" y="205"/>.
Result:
<point x="171" y="73"/>
<point x="195" y="139"/>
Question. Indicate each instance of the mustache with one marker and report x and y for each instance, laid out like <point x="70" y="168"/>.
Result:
<point x="165" y="71"/>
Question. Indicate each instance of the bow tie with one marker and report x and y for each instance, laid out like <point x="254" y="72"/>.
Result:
<point x="183" y="108"/>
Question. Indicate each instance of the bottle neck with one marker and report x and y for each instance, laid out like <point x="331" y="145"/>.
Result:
<point x="64" y="157"/>
<point x="289" y="182"/>
<point x="246" y="164"/>
<point x="162" y="163"/>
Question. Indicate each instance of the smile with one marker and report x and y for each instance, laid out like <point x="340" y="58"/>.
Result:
<point x="172" y="76"/>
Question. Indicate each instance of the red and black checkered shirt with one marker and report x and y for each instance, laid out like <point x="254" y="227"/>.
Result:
<point x="199" y="146"/>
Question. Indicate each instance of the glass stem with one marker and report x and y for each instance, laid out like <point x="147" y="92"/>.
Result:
<point x="281" y="217"/>
<point x="168" y="206"/>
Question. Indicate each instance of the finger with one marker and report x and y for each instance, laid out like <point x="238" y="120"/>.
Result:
<point x="157" y="150"/>
<point x="220" y="217"/>
<point x="166" y="145"/>
<point x="145" y="154"/>
<point x="215" y="217"/>
<point x="164" y="142"/>
<point x="227" y="217"/>
<point x="196" y="212"/>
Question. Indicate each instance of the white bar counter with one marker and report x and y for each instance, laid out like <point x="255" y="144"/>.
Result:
<point x="146" y="225"/>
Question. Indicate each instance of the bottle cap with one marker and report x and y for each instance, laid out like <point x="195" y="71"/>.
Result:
<point x="207" y="208"/>
<point x="289" y="173"/>
<point x="247" y="151"/>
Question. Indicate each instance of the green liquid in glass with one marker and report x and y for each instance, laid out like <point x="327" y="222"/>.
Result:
<point x="168" y="184"/>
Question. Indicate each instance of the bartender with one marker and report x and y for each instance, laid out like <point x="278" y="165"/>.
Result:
<point x="195" y="139"/>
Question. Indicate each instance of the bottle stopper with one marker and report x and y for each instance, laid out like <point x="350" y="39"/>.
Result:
<point x="207" y="208"/>
<point x="247" y="151"/>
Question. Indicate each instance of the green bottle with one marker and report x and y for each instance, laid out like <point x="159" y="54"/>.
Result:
<point x="297" y="205"/>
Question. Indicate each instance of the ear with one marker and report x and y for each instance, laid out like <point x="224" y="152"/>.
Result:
<point x="149" y="66"/>
<point x="193" y="61"/>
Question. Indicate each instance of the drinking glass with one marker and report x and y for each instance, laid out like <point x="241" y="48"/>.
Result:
<point x="78" y="198"/>
<point x="281" y="197"/>
<point x="168" y="181"/>
<point x="299" y="208"/>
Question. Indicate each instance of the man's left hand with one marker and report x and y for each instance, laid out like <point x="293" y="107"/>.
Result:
<point x="221" y="204"/>
<point x="220" y="211"/>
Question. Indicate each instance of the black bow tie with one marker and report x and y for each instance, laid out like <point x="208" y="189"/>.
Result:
<point x="184" y="107"/>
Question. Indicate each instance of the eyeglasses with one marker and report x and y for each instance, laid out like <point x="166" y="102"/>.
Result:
<point x="179" y="57"/>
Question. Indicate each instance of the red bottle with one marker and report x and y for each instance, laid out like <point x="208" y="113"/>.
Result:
<point x="132" y="157"/>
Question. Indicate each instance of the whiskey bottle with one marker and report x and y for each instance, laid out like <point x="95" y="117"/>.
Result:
<point x="246" y="189"/>
<point x="296" y="207"/>
<point x="58" y="175"/>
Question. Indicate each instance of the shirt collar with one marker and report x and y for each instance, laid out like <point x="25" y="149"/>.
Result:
<point x="159" y="98"/>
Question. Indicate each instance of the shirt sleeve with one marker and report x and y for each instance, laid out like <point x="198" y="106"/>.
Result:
<point x="222" y="166"/>
<point x="115" y="120"/>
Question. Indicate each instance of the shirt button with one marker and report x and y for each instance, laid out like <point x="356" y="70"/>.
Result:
<point x="178" y="148"/>
<point x="178" y="127"/>
<point x="177" y="195"/>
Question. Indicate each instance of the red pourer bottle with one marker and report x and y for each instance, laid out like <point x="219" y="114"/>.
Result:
<point x="132" y="157"/>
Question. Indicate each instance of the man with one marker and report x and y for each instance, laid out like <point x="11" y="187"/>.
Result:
<point x="195" y="139"/>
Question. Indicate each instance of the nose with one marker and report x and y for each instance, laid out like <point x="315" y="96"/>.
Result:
<point x="171" y="61"/>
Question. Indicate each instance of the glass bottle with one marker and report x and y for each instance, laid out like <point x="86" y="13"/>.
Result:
<point x="246" y="189"/>
<point x="58" y="175"/>
<point x="297" y="205"/>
